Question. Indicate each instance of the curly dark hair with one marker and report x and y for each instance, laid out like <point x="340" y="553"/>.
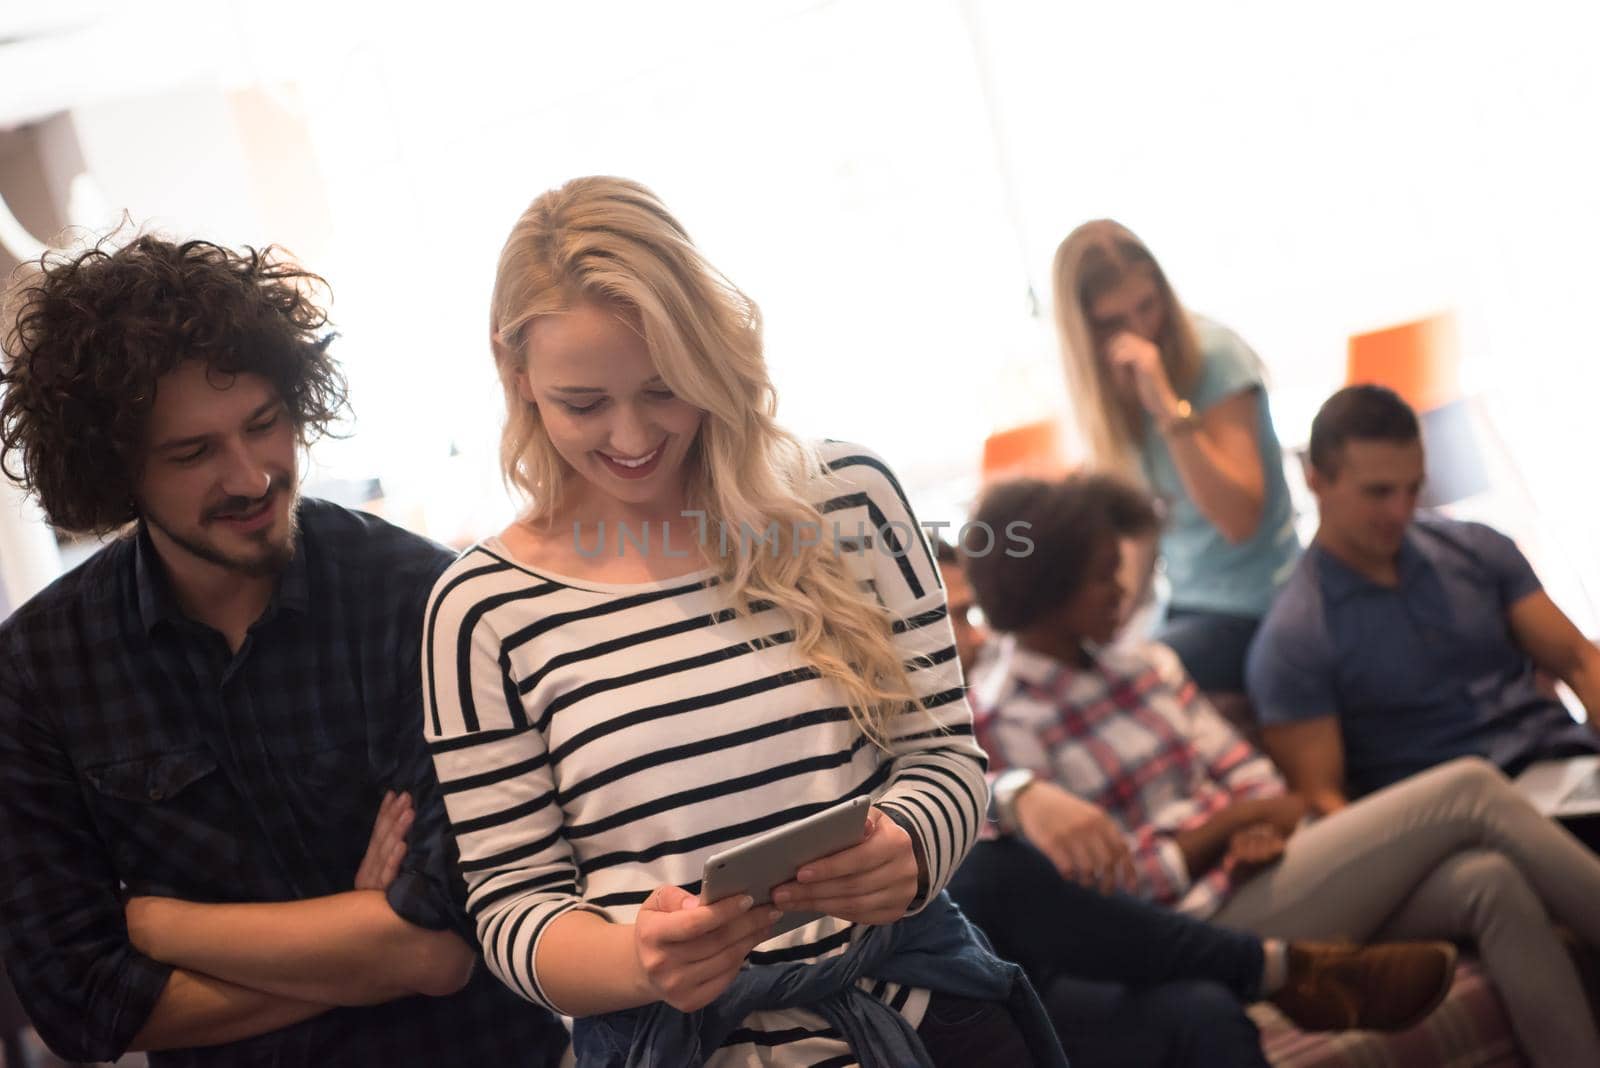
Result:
<point x="1068" y="519"/>
<point x="90" y="334"/>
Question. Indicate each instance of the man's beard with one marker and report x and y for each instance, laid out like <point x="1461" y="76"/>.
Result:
<point x="276" y="555"/>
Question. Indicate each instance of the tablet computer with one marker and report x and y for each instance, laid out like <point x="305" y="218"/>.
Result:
<point x="772" y="858"/>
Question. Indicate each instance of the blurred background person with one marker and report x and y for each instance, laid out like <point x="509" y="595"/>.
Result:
<point x="1179" y="401"/>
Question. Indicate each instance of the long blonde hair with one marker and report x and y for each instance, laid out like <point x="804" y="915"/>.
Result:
<point x="611" y="241"/>
<point x="1095" y="258"/>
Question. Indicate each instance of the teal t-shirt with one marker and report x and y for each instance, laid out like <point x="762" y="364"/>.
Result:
<point x="1206" y="572"/>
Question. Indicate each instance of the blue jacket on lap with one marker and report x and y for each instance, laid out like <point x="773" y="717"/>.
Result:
<point x="936" y="949"/>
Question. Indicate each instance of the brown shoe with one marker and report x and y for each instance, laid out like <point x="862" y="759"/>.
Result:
<point x="1335" y="986"/>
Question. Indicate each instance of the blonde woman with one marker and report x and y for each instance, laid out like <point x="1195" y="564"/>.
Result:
<point x="1178" y="401"/>
<point x="699" y="629"/>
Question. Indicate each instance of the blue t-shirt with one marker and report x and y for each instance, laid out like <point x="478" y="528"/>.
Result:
<point x="1420" y="673"/>
<point x="1206" y="571"/>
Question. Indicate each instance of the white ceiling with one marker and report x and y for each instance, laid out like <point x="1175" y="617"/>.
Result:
<point x="21" y="20"/>
<point x="57" y="54"/>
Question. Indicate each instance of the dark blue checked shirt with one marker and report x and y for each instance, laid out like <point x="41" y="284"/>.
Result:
<point x="138" y="755"/>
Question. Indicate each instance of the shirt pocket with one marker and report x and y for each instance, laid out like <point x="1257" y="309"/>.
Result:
<point x="164" y="819"/>
<point x="151" y="779"/>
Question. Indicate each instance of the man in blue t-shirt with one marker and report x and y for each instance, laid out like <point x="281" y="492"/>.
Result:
<point x="1403" y="641"/>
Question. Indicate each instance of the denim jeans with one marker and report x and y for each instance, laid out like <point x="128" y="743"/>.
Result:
<point x="1212" y="646"/>
<point x="958" y="1032"/>
<point x="1186" y="1023"/>
<point x="1124" y="982"/>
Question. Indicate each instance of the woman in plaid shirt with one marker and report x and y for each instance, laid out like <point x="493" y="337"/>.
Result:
<point x="1205" y="822"/>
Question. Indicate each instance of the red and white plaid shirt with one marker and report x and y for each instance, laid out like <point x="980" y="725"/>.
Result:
<point x="1133" y="734"/>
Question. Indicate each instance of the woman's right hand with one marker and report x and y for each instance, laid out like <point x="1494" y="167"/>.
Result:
<point x="688" y="952"/>
<point x="1253" y="848"/>
<point x="1137" y="363"/>
<point x="1207" y="845"/>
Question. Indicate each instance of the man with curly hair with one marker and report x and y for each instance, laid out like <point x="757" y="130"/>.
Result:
<point x="220" y="833"/>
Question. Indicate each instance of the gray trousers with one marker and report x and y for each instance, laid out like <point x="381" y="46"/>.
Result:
<point x="1452" y="853"/>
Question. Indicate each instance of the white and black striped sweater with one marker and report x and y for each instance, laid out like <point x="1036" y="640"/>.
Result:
<point x="594" y="741"/>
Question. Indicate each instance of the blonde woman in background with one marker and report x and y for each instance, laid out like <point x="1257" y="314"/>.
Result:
<point x="624" y="682"/>
<point x="1179" y="402"/>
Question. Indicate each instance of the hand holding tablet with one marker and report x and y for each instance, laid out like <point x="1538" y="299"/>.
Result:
<point x="772" y="859"/>
<point x="874" y="881"/>
<point x="858" y="865"/>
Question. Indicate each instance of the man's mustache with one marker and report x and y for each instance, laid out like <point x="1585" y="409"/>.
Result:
<point x="234" y="506"/>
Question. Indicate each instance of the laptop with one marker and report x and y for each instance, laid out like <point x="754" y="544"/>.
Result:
<point x="1563" y="788"/>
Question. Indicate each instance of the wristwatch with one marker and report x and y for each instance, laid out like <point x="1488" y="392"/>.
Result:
<point x="1008" y="786"/>
<point x="1180" y="419"/>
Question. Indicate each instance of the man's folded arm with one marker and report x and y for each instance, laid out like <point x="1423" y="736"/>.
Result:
<point x="428" y="890"/>
<point x="199" y="1010"/>
<point x="363" y="947"/>
<point x="344" y="949"/>
<point x="89" y="993"/>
